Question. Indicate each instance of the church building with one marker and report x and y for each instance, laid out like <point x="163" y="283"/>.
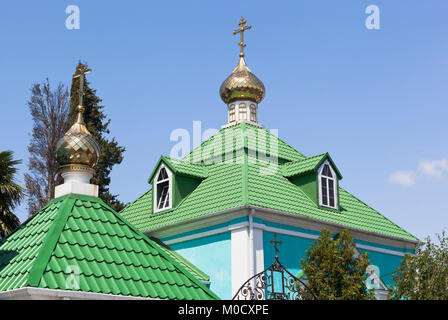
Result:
<point x="206" y="224"/>
<point x="221" y="205"/>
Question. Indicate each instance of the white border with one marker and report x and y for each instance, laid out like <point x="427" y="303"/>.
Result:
<point x="335" y="187"/>
<point x="170" y="189"/>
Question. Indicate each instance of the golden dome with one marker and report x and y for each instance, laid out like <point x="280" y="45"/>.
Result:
<point x="242" y="84"/>
<point x="77" y="146"/>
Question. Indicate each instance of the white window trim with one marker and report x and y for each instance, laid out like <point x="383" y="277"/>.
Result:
<point x="242" y="110"/>
<point x="237" y="114"/>
<point x="155" y="188"/>
<point x="253" y="111"/>
<point x="232" y="113"/>
<point x="319" y="181"/>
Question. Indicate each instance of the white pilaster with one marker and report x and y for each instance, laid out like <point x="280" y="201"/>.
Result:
<point x="240" y="258"/>
<point x="258" y="250"/>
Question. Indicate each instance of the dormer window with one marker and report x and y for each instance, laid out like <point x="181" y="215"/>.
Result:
<point x="162" y="190"/>
<point x="327" y="186"/>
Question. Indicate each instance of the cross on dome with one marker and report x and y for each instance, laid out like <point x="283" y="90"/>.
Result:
<point x="241" y="32"/>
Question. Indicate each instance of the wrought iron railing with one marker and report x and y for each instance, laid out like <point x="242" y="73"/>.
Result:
<point x="274" y="283"/>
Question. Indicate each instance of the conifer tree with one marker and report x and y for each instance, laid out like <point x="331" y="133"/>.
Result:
<point x="97" y="124"/>
<point x="334" y="271"/>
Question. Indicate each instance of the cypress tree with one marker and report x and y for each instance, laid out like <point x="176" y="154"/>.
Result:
<point x="97" y="124"/>
<point x="333" y="270"/>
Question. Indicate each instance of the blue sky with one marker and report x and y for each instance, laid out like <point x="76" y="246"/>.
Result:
<point x="376" y="100"/>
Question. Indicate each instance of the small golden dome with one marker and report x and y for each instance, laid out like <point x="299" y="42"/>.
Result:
<point x="242" y="84"/>
<point x="77" y="146"/>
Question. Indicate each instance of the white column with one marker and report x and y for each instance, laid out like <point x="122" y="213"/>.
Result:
<point x="240" y="258"/>
<point x="258" y="250"/>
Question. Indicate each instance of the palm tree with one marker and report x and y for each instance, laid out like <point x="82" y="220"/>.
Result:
<point x="10" y="193"/>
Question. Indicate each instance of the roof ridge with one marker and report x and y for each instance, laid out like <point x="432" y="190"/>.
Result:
<point x="50" y="241"/>
<point x="243" y="126"/>
<point x="289" y="163"/>
<point x="285" y="142"/>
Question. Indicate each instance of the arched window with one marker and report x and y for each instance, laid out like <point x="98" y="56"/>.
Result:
<point x="242" y="111"/>
<point x="232" y="117"/>
<point x="162" y="190"/>
<point x="253" y="113"/>
<point x="327" y="186"/>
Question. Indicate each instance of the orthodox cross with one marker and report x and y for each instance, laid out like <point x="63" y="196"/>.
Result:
<point x="80" y="73"/>
<point x="275" y="242"/>
<point x="241" y="32"/>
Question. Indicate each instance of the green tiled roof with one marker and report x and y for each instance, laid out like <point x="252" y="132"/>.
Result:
<point x="230" y="185"/>
<point x="195" y="271"/>
<point x="308" y="165"/>
<point x="302" y="166"/>
<point x="182" y="167"/>
<point x="229" y="139"/>
<point x="81" y="234"/>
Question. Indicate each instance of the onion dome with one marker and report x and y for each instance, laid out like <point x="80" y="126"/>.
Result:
<point x="242" y="84"/>
<point x="77" y="149"/>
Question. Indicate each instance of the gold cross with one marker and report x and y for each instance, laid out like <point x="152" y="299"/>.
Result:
<point x="275" y="245"/>
<point x="241" y="32"/>
<point x="80" y="73"/>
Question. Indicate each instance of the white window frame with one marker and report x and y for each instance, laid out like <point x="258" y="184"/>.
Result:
<point x="156" y="186"/>
<point x="335" y="186"/>
<point x="232" y="113"/>
<point x="253" y="113"/>
<point x="242" y="110"/>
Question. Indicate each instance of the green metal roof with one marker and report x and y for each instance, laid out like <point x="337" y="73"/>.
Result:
<point x="82" y="234"/>
<point x="195" y="271"/>
<point x="243" y="182"/>
<point x="232" y="138"/>
<point x="181" y="167"/>
<point x="308" y="165"/>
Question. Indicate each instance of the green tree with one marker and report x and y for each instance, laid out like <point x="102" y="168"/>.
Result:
<point x="333" y="269"/>
<point x="424" y="275"/>
<point x="97" y="123"/>
<point x="10" y="193"/>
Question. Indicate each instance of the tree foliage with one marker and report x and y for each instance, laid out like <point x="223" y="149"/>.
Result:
<point x="333" y="269"/>
<point x="97" y="124"/>
<point x="49" y="113"/>
<point x="10" y="193"/>
<point x="424" y="275"/>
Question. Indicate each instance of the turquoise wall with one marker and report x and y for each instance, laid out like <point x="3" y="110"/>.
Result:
<point x="293" y="249"/>
<point x="212" y="255"/>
